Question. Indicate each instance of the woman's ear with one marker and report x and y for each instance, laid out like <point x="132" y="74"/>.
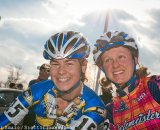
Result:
<point x="84" y="65"/>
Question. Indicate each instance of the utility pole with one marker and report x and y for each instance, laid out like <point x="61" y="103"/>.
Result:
<point x="105" y="30"/>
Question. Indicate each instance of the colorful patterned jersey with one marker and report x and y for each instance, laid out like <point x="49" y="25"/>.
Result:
<point x="87" y="113"/>
<point x="138" y="109"/>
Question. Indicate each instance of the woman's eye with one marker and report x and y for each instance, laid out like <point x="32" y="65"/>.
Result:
<point x="69" y="63"/>
<point x="108" y="60"/>
<point x="122" y="57"/>
<point x="53" y="63"/>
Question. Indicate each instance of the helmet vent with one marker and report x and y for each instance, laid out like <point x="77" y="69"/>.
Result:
<point x="60" y="41"/>
<point x="51" y="47"/>
<point x="70" y="45"/>
<point x="69" y="34"/>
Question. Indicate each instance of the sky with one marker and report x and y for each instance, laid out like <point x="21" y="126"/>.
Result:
<point x="26" y="25"/>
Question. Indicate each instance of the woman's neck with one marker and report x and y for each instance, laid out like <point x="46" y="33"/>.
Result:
<point x="65" y="99"/>
<point x="72" y="95"/>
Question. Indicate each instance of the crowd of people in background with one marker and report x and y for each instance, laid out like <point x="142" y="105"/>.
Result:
<point x="43" y="75"/>
<point x="16" y="86"/>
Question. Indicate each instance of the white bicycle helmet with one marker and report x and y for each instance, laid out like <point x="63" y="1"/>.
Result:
<point x="68" y="44"/>
<point x="113" y="39"/>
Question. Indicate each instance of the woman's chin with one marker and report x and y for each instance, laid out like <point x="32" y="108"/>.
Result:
<point x="120" y="82"/>
<point x="63" y="87"/>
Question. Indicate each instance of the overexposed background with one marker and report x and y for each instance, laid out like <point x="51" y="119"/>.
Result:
<point x="25" y="26"/>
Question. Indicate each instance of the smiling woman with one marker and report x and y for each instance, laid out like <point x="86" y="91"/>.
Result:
<point x="63" y="73"/>
<point x="111" y="61"/>
<point x="137" y="94"/>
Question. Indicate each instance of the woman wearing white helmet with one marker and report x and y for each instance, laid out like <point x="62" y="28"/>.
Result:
<point x="70" y="50"/>
<point x="137" y="103"/>
<point x="64" y="102"/>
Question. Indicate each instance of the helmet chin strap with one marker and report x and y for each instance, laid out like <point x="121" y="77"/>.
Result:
<point x="120" y="89"/>
<point x="61" y="93"/>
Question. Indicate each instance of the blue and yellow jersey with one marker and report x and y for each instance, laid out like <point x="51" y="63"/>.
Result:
<point x="88" y="113"/>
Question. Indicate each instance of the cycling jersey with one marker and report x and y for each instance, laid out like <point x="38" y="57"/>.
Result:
<point x="85" y="115"/>
<point x="140" y="109"/>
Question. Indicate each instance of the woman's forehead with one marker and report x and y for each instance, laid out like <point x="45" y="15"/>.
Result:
<point x="63" y="60"/>
<point x="118" y="49"/>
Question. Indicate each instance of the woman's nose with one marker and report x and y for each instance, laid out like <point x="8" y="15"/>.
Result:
<point x="62" y="69"/>
<point x="115" y="63"/>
